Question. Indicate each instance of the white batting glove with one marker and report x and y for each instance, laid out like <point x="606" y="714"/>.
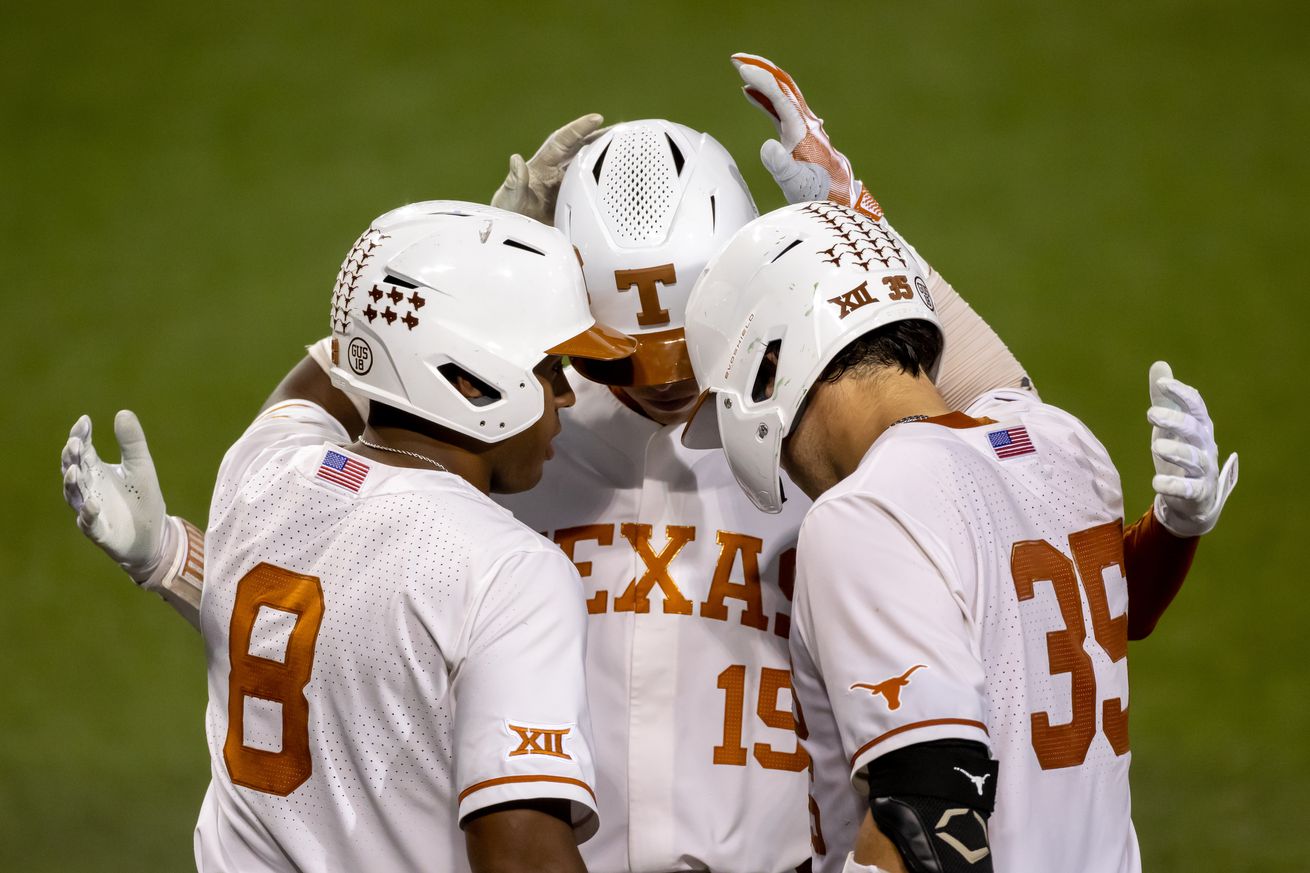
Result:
<point x="802" y="160"/>
<point x="1190" y="486"/>
<point x="533" y="185"/>
<point x="119" y="507"/>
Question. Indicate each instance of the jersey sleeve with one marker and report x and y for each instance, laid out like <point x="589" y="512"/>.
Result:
<point x="886" y="629"/>
<point x="290" y="424"/>
<point x="1155" y="563"/>
<point x="522" y="730"/>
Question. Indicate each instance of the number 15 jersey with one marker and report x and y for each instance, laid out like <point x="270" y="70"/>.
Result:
<point x="966" y="582"/>
<point x="388" y="652"/>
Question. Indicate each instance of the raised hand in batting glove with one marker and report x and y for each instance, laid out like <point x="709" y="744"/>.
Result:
<point x="802" y="160"/>
<point x="533" y="185"/>
<point x="119" y="507"/>
<point x="1190" y="486"/>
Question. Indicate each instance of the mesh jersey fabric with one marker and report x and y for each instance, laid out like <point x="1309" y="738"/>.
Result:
<point x="447" y="661"/>
<point x="930" y="583"/>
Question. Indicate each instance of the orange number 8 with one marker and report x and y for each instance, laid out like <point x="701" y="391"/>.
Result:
<point x="284" y="771"/>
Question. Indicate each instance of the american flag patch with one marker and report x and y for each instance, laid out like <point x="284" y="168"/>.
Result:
<point x="1011" y="442"/>
<point x="343" y="471"/>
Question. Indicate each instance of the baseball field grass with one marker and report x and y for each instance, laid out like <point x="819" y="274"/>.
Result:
<point x="1107" y="183"/>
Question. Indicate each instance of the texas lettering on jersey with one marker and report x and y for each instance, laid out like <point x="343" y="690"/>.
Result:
<point x="735" y="576"/>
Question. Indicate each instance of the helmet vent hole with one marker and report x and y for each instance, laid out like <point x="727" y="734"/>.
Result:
<point x="600" y="162"/>
<point x="396" y="280"/>
<point x="473" y="389"/>
<point x="793" y="244"/>
<point x="678" y="160"/>
<point x="762" y="388"/>
<point x="714" y="215"/>
<point x="515" y="244"/>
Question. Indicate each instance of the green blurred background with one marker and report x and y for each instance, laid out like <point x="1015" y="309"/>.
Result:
<point x="1107" y="186"/>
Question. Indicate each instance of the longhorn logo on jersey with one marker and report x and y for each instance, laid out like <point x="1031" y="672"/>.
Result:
<point x="539" y="740"/>
<point x="890" y="689"/>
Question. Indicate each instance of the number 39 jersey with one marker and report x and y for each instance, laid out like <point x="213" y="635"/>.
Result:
<point x="388" y="652"/>
<point x="966" y="581"/>
<point x="688" y="597"/>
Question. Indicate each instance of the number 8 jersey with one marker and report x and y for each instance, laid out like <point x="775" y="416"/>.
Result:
<point x="966" y="582"/>
<point x="388" y="652"/>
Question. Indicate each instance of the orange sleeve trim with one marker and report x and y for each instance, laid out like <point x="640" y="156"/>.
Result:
<point x="932" y="722"/>
<point x="506" y="780"/>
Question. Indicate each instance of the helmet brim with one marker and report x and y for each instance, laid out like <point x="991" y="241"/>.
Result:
<point x="660" y="359"/>
<point x="702" y="428"/>
<point x="600" y="342"/>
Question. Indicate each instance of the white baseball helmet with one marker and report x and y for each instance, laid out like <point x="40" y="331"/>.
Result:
<point x="442" y="288"/>
<point x="803" y="282"/>
<point x="647" y="204"/>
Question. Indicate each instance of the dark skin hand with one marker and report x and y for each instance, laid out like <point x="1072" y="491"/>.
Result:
<point x="522" y="837"/>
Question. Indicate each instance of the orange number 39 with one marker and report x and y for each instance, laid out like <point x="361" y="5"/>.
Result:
<point x="283" y="771"/>
<point x="1032" y="561"/>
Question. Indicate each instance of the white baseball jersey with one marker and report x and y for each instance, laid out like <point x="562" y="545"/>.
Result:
<point x="688" y="594"/>
<point x="388" y="651"/>
<point x="966" y="581"/>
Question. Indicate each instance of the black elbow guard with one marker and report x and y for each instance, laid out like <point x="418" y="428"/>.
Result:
<point x="932" y="800"/>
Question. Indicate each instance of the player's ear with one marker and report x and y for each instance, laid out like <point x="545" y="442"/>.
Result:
<point x="467" y="387"/>
<point x="476" y="391"/>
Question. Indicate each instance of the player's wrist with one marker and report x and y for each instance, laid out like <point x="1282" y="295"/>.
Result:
<point x="178" y="570"/>
<point x="1180" y="524"/>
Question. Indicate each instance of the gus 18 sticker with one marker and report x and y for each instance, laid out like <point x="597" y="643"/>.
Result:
<point x="922" y="287"/>
<point x="360" y="355"/>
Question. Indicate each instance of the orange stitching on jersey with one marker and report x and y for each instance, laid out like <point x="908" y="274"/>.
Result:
<point x="956" y="421"/>
<point x="505" y="780"/>
<point x="283" y="405"/>
<point x="932" y="722"/>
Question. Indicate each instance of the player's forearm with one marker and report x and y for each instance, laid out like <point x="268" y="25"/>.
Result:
<point x="1156" y="563"/>
<point x="975" y="359"/>
<point x="525" y="837"/>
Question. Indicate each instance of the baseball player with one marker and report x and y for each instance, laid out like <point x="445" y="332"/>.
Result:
<point x="391" y="655"/>
<point x="687" y="585"/>
<point x="960" y="625"/>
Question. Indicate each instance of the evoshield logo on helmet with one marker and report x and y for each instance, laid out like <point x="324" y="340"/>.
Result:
<point x="360" y="355"/>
